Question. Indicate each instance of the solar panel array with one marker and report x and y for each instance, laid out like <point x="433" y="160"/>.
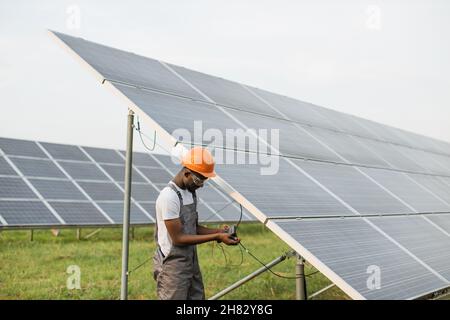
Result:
<point x="45" y="184"/>
<point x="350" y="193"/>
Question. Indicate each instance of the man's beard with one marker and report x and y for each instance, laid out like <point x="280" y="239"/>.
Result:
<point x="192" y="187"/>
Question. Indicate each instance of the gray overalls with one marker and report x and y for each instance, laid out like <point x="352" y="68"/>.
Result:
<point x="178" y="274"/>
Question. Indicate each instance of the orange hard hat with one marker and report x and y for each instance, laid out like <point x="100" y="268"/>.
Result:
<point x="200" y="160"/>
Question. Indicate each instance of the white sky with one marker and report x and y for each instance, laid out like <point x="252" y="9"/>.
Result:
<point x="388" y="61"/>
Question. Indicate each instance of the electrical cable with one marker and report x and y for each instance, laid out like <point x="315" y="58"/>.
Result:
<point x="269" y="269"/>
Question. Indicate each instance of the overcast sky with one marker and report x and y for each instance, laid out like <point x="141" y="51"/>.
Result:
<point x="388" y="61"/>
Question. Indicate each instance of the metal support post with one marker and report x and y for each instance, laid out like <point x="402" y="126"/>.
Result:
<point x="126" y="207"/>
<point x="300" y="281"/>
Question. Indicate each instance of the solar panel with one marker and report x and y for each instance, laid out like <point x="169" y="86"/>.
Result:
<point x="64" y="152"/>
<point x="142" y="159"/>
<point x="37" y="168"/>
<point x="118" y="173"/>
<point x="354" y="188"/>
<point x="102" y="190"/>
<point x="422" y="239"/>
<point x="115" y="211"/>
<point x="351" y="248"/>
<point x="348" y="147"/>
<point x="74" y="212"/>
<point x="57" y="189"/>
<point x="104" y="155"/>
<point x="26" y="213"/>
<point x="143" y="192"/>
<point x="324" y="208"/>
<point x="392" y="155"/>
<point x="15" y="188"/>
<point x="156" y="175"/>
<point x="78" y="191"/>
<point x="298" y="111"/>
<point x="128" y="67"/>
<point x="271" y="196"/>
<point x="83" y="171"/>
<point x="17" y="147"/>
<point x="442" y="220"/>
<point x="224" y="92"/>
<point x="413" y="194"/>
<point x="5" y="168"/>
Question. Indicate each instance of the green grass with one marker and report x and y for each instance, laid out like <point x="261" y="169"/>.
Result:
<point x="37" y="269"/>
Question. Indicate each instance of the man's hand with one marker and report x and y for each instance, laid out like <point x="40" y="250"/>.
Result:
<point x="228" y="239"/>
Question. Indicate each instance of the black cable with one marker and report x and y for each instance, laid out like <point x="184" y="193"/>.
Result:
<point x="240" y="218"/>
<point x="269" y="269"/>
<point x="140" y="265"/>
<point x="138" y="129"/>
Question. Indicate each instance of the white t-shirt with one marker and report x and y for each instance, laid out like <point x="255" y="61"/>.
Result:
<point x="167" y="208"/>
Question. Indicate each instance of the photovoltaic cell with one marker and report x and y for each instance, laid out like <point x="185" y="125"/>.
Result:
<point x="293" y="141"/>
<point x="149" y="207"/>
<point x="354" y="188"/>
<point x="104" y="155"/>
<point x="392" y="155"/>
<point x="156" y="175"/>
<point x="226" y="210"/>
<point x="175" y="114"/>
<point x="128" y="67"/>
<point x="54" y="186"/>
<point x="424" y="160"/>
<point x="143" y="192"/>
<point x="37" y="168"/>
<point x="421" y="238"/>
<point x="74" y="212"/>
<point x="57" y="189"/>
<point x="102" y="190"/>
<point x="210" y="193"/>
<point x="142" y="159"/>
<point x="351" y="248"/>
<point x="5" y="168"/>
<point x="118" y="173"/>
<point x="169" y="162"/>
<point x="83" y="171"/>
<point x="64" y="151"/>
<point x="293" y="109"/>
<point x="434" y="184"/>
<point x="115" y="212"/>
<point x="345" y="122"/>
<point x="347" y="147"/>
<point x="26" y="213"/>
<point x="407" y="190"/>
<point x="224" y="92"/>
<point x="205" y="214"/>
<point x="21" y="148"/>
<point x="304" y="197"/>
<point x="15" y="188"/>
<point x="442" y="220"/>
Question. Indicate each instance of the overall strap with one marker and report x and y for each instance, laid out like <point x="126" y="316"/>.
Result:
<point x="171" y="186"/>
<point x="194" y="197"/>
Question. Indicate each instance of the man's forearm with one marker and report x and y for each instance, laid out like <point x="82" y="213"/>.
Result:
<point x="191" y="239"/>
<point x="201" y="230"/>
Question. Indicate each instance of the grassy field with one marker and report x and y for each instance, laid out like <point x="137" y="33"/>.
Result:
<point x="37" y="269"/>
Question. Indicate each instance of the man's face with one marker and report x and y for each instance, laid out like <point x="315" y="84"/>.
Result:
<point x="193" y="180"/>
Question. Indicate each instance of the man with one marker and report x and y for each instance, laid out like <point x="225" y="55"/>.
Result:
<point x="176" y="268"/>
